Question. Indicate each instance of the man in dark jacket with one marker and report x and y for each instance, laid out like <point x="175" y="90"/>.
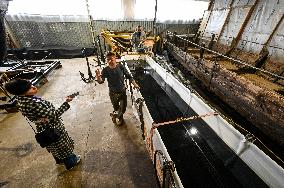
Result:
<point x="115" y="73"/>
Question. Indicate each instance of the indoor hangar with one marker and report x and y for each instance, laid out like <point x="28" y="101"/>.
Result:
<point x="142" y="93"/>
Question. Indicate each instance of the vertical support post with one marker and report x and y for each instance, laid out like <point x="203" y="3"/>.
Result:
<point x="154" y="27"/>
<point x="175" y="38"/>
<point x="202" y="50"/>
<point x="101" y="50"/>
<point x="155" y="18"/>
<point x="211" y="43"/>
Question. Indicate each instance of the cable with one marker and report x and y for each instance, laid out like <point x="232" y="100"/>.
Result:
<point x="248" y="41"/>
<point x="232" y="59"/>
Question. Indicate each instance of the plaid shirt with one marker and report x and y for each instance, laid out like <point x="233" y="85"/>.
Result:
<point x="35" y="108"/>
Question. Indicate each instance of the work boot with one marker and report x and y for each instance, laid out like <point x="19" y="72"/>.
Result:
<point x="113" y="116"/>
<point x="120" y="121"/>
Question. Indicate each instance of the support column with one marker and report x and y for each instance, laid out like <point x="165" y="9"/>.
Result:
<point x="155" y="19"/>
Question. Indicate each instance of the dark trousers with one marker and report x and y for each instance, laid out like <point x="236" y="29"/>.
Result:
<point x="119" y="102"/>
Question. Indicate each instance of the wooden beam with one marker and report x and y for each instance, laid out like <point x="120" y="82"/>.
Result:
<point x="206" y="23"/>
<point x="210" y="9"/>
<point x="238" y="37"/>
<point x="273" y="33"/>
<point x="226" y="20"/>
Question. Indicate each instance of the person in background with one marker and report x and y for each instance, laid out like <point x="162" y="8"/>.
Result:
<point x="138" y="37"/>
<point x="43" y="113"/>
<point x="115" y="73"/>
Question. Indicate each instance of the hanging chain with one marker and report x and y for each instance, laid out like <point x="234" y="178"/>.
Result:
<point x="91" y="23"/>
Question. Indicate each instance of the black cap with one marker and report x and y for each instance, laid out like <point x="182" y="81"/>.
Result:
<point x="18" y="86"/>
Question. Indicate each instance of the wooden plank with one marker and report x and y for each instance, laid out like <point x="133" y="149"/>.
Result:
<point x="238" y="37"/>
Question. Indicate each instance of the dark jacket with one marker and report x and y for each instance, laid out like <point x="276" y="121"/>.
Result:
<point x="115" y="78"/>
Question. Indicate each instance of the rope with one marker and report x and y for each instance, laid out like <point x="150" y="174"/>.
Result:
<point x="232" y="59"/>
<point x="249" y="136"/>
<point x="182" y="119"/>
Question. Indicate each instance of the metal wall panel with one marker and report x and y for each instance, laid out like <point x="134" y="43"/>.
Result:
<point x="217" y="18"/>
<point x="261" y="25"/>
<point x="234" y="24"/>
<point x="219" y="4"/>
<point x="50" y="31"/>
<point x="238" y="3"/>
<point x="74" y="31"/>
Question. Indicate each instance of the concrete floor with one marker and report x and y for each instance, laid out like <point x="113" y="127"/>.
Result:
<point x="111" y="156"/>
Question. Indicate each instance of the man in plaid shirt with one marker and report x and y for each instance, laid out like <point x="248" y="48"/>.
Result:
<point x="43" y="113"/>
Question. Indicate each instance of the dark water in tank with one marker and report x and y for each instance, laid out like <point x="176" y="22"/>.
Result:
<point x="201" y="158"/>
